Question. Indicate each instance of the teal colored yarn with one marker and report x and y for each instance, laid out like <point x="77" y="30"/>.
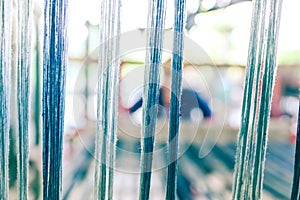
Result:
<point x="54" y="78"/>
<point x="267" y="82"/>
<point x="259" y="82"/>
<point x="107" y="98"/>
<point x="5" y="67"/>
<point x="175" y="101"/>
<point x="23" y="76"/>
<point x="295" y="187"/>
<point x="156" y="23"/>
<point x="254" y="49"/>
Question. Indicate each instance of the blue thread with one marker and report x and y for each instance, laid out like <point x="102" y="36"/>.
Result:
<point x="270" y="66"/>
<point x="156" y="22"/>
<point x="295" y="188"/>
<point x="54" y="75"/>
<point x="175" y="102"/>
<point x="242" y="140"/>
<point x="5" y="67"/>
<point x="259" y="78"/>
<point x="23" y="77"/>
<point x="107" y="98"/>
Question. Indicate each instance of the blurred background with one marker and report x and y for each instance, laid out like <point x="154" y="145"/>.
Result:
<point x="215" y="54"/>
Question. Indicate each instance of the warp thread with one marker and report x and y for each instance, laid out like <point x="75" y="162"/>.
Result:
<point x="54" y="81"/>
<point x="295" y="187"/>
<point x="5" y="67"/>
<point x="23" y="77"/>
<point x="259" y="82"/>
<point x="156" y="23"/>
<point x="175" y="102"/>
<point x="107" y="98"/>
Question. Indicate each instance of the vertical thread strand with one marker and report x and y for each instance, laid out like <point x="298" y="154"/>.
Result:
<point x="156" y="23"/>
<point x="54" y="75"/>
<point x="115" y="92"/>
<point x="5" y="67"/>
<point x="175" y="102"/>
<point x="107" y="98"/>
<point x="270" y="66"/>
<point x="295" y="187"/>
<point x="243" y="142"/>
<point x="259" y="82"/>
<point x="23" y="76"/>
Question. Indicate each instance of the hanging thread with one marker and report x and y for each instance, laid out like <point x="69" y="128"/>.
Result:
<point x="54" y="75"/>
<point x="156" y="23"/>
<point x="107" y="98"/>
<point x="5" y="67"/>
<point x="259" y="82"/>
<point x="23" y="76"/>
<point x="175" y="102"/>
<point x="295" y="188"/>
<point x="256" y="41"/>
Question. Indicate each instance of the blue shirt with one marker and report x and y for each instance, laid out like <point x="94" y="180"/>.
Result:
<point x="190" y="99"/>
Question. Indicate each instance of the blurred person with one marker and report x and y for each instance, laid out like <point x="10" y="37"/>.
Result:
<point x="190" y="99"/>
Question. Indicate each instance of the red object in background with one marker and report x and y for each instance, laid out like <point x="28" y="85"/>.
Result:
<point x="277" y="94"/>
<point x="293" y="138"/>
